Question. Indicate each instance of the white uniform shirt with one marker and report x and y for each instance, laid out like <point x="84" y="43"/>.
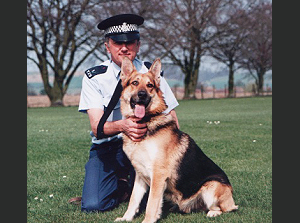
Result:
<point x="97" y="91"/>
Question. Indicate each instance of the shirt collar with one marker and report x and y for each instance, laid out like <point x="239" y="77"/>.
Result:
<point x="116" y="68"/>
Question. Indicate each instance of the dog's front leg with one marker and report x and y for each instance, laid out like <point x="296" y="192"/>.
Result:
<point x="139" y="189"/>
<point x="154" y="205"/>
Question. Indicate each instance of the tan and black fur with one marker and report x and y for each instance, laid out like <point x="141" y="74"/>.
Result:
<point x="167" y="160"/>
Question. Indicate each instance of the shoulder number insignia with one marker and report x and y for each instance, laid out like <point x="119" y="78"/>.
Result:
<point x="95" y="70"/>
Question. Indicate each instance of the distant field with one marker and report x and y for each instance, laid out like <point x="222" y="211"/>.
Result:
<point x="235" y="133"/>
<point x="34" y="81"/>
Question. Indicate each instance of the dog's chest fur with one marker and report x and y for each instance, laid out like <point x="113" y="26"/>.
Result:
<point x="150" y="152"/>
<point x="142" y="156"/>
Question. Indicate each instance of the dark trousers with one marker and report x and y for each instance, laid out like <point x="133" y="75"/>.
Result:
<point x="106" y="165"/>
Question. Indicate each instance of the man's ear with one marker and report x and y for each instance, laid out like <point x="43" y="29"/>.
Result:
<point x="127" y="68"/>
<point x="155" y="69"/>
<point x="107" y="46"/>
<point x="138" y="46"/>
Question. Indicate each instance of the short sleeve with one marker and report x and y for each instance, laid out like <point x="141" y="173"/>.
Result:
<point x="91" y="96"/>
<point x="170" y="99"/>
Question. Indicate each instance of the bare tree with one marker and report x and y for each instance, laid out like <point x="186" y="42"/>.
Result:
<point x="181" y="31"/>
<point x="226" y="47"/>
<point x="184" y="30"/>
<point x="257" y="51"/>
<point x="61" y="35"/>
<point x="59" y="39"/>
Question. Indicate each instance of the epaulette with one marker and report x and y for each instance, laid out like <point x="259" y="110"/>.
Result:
<point x="148" y="65"/>
<point x="95" y="70"/>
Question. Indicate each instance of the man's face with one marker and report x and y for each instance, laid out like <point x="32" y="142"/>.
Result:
<point x="120" y="49"/>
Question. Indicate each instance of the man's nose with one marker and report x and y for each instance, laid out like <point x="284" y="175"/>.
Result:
<point x="124" y="47"/>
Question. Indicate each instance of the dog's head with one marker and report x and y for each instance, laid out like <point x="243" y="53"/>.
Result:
<point x="141" y="96"/>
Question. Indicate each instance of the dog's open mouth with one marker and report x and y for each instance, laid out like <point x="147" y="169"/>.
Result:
<point x="139" y="111"/>
<point x="139" y="104"/>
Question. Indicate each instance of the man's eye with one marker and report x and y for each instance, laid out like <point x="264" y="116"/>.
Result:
<point x="135" y="83"/>
<point x="130" y="42"/>
<point x="118" y="43"/>
<point x="150" y="85"/>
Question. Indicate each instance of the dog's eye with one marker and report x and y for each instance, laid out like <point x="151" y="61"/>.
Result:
<point x="135" y="83"/>
<point x="150" y="85"/>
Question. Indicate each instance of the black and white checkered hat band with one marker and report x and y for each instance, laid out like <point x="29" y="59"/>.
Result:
<point x="124" y="28"/>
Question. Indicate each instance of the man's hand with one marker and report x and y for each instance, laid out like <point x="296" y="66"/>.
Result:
<point x="129" y="126"/>
<point x="134" y="130"/>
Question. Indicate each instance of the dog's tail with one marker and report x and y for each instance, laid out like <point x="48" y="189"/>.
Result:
<point x="226" y="201"/>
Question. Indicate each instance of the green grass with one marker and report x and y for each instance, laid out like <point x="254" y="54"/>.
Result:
<point x="58" y="145"/>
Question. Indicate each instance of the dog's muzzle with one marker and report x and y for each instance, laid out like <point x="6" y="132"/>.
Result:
<point x="139" y="103"/>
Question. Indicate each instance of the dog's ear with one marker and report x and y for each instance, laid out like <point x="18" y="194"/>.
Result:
<point x="155" y="69"/>
<point x="126" y="69"/>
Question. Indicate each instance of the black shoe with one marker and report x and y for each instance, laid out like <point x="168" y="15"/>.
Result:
<point x="123" y="190"/>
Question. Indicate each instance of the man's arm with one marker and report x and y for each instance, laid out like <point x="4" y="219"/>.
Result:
<point x="173" y="113"/>
<point x="129" y="126"/>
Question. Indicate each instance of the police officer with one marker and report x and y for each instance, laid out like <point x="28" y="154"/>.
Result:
<point x="106" y="181"/>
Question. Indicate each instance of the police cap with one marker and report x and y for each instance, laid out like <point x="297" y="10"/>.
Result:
<point x="122" y="28"/>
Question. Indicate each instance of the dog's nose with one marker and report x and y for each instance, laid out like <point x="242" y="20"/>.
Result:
<point x="142" y="94"/>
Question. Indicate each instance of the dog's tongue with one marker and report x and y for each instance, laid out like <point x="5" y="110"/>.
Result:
<point x="139" y="111"/>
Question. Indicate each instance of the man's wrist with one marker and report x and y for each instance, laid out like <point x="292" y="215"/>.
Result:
<point x="113" y="128"/>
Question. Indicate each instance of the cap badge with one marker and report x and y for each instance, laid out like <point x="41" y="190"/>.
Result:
<point x="125" y="27"/>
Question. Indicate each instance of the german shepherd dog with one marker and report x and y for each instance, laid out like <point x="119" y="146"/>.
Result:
<point x="167" y="160"/>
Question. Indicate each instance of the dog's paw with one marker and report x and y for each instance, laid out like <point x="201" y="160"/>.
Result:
<point x="149" y="220"/>
<point x="119" y="219"/>
<point x="122" y="219"/>
<point x="213" y="213"/>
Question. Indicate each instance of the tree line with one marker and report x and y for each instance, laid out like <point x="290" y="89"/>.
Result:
<point x="62" y="35"/>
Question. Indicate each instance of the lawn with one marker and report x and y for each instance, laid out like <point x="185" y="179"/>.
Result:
<point x="235" y="133"/>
